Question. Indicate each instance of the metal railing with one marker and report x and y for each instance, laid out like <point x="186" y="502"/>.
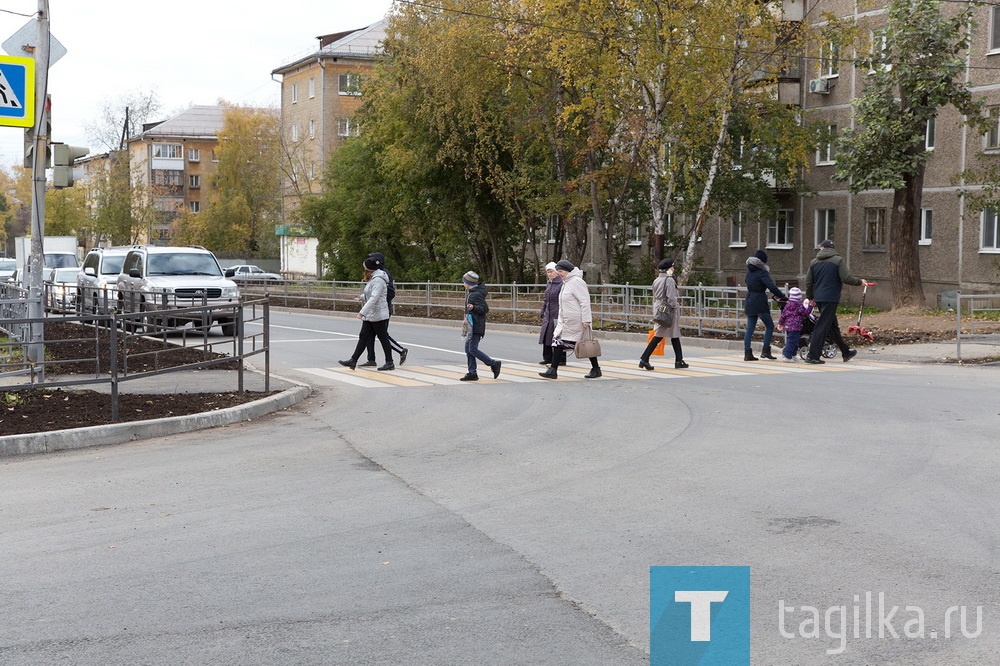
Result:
<point x="704" y="309"/>
<point x="978" y="309"/>
<point x="116" y="354"/>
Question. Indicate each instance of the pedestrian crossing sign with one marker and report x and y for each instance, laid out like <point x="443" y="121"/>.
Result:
<point x="17" y="91"/>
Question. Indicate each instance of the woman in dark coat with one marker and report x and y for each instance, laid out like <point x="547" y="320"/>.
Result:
<point x="550" y="311"/>
<point x="759" y="282"/>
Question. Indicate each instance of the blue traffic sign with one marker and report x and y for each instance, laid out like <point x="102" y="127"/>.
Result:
<point x="17" y="91"/>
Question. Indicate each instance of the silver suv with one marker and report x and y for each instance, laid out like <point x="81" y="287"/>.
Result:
<point x="97" y="279"/>
<point x="156" y="278"/>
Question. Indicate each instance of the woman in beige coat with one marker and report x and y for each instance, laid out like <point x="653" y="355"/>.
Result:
<point x="665" y="294"/>
<point x="574" y="318"/>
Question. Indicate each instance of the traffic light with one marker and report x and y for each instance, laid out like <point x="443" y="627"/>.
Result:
<point x="30" y="135"/>
<point x="63" y="156"/>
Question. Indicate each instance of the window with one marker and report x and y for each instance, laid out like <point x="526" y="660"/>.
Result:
<point x="668" y="226"/>
<point x="635" y="232"/>
<point x="346" y="127"/>
<point x="993" y="135"/>
<point x="779" y="230"/>
<point x="736" y="238"/>
<point x="194" y="182"/>
<point x="874" y="228"/>
<point x="312" y="87"/>
<point x="312" y="171"/>
<point x="312" y="129"/>
<point x="168" y="150"/>
<point x="991" y="230"/>
<point x="879" y="51"/>
<point x="195" y="206"/>
<point x="829" y="60"/>
<point x="295" y="132"/>
<point x="994" y="29"/>
<point x="349" y="84"/>
<point x="826" y="219"/>
<point x="169" y="177"/>
<point x="929" y="134"/>
<point x="826" y="153"/>
<point x="295" y="93"/>
<point x="215" y="158"/>
<point x="552" y="228"/>
<point x="194" y="155"/>
<point x="926" y="220"/>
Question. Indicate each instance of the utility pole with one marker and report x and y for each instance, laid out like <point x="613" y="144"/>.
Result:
<point x="36" y="348"/>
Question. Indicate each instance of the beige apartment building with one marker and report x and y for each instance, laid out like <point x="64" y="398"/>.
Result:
<point x="173" y="162"/>
<point x="959" y="244"/>
<point x="320" y="92"/>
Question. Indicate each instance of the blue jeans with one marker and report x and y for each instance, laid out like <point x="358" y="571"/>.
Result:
<point x="472" y="352"/>
<point x="791" y="343"/>
<point x="764" y="317"/>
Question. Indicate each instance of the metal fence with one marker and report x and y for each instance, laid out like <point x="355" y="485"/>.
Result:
<point x="109" y="350"/>
<point x="979" y="313"/>
<point x="704" y="310"/>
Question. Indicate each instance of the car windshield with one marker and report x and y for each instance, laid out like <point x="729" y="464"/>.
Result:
<point x="65" y="274"/>
<point x="112" y="265"/>
<point x="61" y="261"/>
<point x="183" y="263"/>
<point x="7" y="264"/>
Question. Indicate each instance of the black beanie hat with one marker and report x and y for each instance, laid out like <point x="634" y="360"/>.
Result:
<point x="565" y="265"/>
<point x="760" y="254"/>
<point x="373" y="264"/>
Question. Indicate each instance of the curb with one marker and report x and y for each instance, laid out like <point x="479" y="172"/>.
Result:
<point x="119" y="433"/>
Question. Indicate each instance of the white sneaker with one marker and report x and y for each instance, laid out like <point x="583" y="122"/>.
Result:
<point x="788" y="360"/>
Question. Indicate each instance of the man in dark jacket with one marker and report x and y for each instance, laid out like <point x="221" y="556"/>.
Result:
<point x="476" y="309"/>
<point x="825" y="279"/>
<point x="396" y="347"/>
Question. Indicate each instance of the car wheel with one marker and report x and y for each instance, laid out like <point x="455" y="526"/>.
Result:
<point x="228" y="327"/>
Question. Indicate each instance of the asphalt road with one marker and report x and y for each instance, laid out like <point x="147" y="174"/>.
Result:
<point x="515" y="522"/>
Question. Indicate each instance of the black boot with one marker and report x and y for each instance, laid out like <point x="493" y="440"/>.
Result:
<point x="748" y="355"/>
<point x="349" y="364"/>
<point x="766" y="353"/>
<point x="551" y="373"/>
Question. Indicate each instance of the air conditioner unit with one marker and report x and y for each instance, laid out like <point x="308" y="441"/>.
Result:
<point x="820" y="86"/>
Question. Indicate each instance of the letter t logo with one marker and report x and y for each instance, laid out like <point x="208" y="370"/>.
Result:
<point x="701" y="610"/>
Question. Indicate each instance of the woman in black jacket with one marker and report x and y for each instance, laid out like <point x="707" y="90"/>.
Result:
<point x="758" y="281"/>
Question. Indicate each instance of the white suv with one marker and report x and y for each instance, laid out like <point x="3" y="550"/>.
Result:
<point x="96" y="281"/>
<point x="156" y="278"/>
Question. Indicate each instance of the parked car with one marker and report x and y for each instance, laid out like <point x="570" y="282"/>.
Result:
<point x="96" y="283"/>
<point x="157" y="278"/>
<point x="250" y="273"/>
<point x="60" y="289"/>
<point x="7" y="268"/>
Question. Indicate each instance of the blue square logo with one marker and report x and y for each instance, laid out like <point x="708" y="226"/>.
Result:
<point x="699" y="616"/>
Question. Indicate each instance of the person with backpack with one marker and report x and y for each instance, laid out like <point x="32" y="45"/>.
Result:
<point x="390" y="294"/>
<point x="476" y="309"/>
<point x="374" y="315"/>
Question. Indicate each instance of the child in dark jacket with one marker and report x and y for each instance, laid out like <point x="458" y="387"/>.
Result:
<point x="792" y="316"/>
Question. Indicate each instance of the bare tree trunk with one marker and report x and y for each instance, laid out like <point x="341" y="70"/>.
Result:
<point x="904" y="237"/>
<point x="699" y="222"/>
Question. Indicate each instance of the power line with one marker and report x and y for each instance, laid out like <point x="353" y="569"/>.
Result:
<point x="9" y="11"/>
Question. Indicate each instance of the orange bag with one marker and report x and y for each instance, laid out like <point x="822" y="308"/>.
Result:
<point x="658" y="350"/>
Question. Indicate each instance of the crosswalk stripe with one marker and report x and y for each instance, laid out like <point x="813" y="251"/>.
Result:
<point x="343" y="377"/>
<point x="521" y="372"/>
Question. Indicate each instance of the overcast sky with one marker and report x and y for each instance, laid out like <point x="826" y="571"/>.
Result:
<point x="189" y="51"/>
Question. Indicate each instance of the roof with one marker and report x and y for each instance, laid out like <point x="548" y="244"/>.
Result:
<point x="361" y="43"/>
<point x="196" y="122"/>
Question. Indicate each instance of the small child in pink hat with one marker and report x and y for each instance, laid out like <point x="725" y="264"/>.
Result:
<point x="790" y="321"/>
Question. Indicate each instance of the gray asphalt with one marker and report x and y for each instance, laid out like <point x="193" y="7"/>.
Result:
<point x="514" y="523"/>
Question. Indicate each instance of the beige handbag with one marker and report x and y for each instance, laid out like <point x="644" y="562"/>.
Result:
<point x="588" y="347"/>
